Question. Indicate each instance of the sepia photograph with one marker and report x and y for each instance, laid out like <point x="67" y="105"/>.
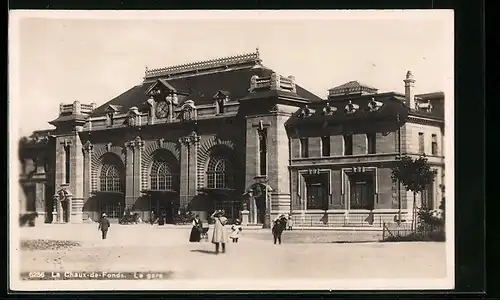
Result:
<point x="231" y="150"/>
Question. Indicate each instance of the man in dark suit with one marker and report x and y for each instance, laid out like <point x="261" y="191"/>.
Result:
<point x="104" y="226"/>
<point x="278" y="226"/>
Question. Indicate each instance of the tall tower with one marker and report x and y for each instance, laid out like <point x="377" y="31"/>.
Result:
<point x="69" y="161"/>
<point x="271" y="102"/>
<point x="410" y="90"/>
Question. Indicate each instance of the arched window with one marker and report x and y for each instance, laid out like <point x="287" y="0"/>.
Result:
<point x="111" y="177"/>
<point x="162" y="177"/>
<point x="219" y="173"/>
<point x="164" y="172"/>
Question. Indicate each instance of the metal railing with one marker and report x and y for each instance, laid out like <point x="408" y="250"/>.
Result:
<point x="395" y="230"/>
<point x="336" y="221"/>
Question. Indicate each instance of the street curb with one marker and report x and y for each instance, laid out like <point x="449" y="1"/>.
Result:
<point x="170" y="226"/>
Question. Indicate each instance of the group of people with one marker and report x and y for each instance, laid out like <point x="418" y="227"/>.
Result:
<point x="220" y="236"/>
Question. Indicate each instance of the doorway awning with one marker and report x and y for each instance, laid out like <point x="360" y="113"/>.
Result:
<point x="108" y="192"/>
<point x="151" y="191"/>
<point x="218" y="191"/>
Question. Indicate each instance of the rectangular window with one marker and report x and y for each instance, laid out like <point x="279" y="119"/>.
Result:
<point x="434" y="145"/>
<point x="109" y="119"/>
<point x="371" y="139"/>
<point x="304" y="147"/>
<point x="317" y="191"/>
<point x="362" y="191"/>
<point x="67" y="163"/>
<point x="421" y="145"/>
<point x="347" y="144"/>
<point x="325" y="146"/>
<point x="428" y="197"/>
<point x="263" y="151"/>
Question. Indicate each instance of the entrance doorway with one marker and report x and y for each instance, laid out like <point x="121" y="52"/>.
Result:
<point x="260" y="203"/>
<point x="112" y="204"/>
<point x="164" y="204"/>
<point x="224" y="199"/>
<point x="362" y="191"/>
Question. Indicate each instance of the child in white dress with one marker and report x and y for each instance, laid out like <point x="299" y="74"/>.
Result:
<point x="236" y="230"/>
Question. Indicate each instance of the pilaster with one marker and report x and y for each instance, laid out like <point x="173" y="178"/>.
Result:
<point x="184" y="171"/>
<point x="138" y="148"/>
<point x="40" y="202"/>
<point x="76" y="180"/>
<point x="88" y="149"/>
<point x="194" y="143"/>
<point x="129" y="174"/>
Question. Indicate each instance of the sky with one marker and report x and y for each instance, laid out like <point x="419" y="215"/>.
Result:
<point x="60" y="57"/>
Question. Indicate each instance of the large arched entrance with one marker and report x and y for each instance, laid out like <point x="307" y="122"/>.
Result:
<point x="111" y="191"/>
<point x="164" y="185"/>
<point x="220" y="184"/>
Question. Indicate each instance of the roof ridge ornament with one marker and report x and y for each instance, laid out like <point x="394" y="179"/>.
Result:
<point x="206" y="64"/>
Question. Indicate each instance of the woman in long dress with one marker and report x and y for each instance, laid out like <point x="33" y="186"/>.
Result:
<point x="195" y="235"/>
<point x="220" y="236"/>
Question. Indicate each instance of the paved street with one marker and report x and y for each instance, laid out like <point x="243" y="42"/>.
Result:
<point x="303" y="254"/>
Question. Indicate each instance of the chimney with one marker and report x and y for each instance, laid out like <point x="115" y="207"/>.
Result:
<point x="410" y="90"/>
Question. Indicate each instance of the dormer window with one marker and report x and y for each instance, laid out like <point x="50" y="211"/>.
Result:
<point x="427" y="106"/>
<point x="188" y="111"/>
<point x="329" y="110"/>
<point x="351" y="108"/>
<point x="219" y="106"/>
<point x="305" y="112"/>
<point x="374" y="105"/>
<point x="110" y="113"/>
<point x="109" y="119"/>
<point x="220" y="99"/>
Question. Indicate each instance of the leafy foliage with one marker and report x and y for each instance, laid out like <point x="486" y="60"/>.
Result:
<point x="429" y="220"/>
<point x="414" y="174"/>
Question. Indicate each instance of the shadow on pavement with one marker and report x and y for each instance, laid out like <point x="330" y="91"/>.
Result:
<point x="204" y="251"/>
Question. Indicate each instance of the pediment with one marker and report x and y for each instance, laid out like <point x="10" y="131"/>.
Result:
<point x="113" y="108"/>
<point x="161" y="86"/>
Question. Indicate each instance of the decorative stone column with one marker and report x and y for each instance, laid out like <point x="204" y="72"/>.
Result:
<point x="87" y="169"/>
<point x="245" y="215"/>
<point x="129" y="174"/>
<point x="55" y="202"/>
<point x="138" y="148"/>
<point x="184" y="171"/>
<point x="40" y="203"/>
<point x="194" y="142"/>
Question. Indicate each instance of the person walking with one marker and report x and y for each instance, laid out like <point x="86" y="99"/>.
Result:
<point x="220" y="236"/>
<point x="278" y="227"/>
<point x="236" y="230"/>
<point x="152" y="217"/>
<point x="104" y="226"/>
<point x="195" y="235"/>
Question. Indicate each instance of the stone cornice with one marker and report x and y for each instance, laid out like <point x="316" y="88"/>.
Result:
<point x="424" y="121"/>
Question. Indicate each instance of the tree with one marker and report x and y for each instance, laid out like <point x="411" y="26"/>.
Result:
<point x="415" y="175"/>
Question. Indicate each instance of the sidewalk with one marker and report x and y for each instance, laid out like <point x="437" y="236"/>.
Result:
<point x="248" y="227"/>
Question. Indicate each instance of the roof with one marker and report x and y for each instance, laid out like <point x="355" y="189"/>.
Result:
<point x="201" y="88"/>
<point x="431" y="96"/>
<point x="392" y="110"/>
<point x="351" y="87"/>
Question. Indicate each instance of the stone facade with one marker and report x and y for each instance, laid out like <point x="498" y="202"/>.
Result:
<point x="176" y="143"/>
